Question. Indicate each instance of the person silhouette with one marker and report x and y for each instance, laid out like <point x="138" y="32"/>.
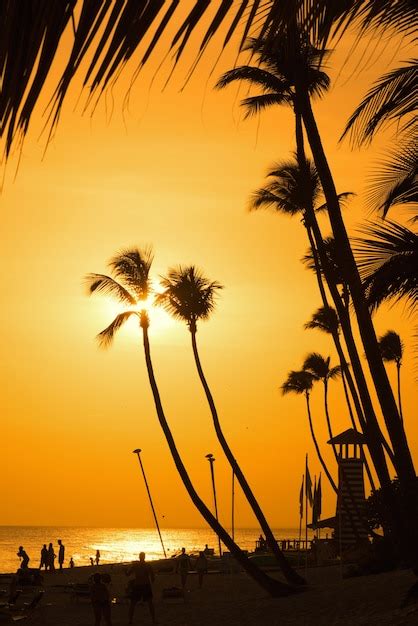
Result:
<point x="24" y="558"/>
<point x="141" y="587"/>
<point x="183" y="566"/>
<point x="44" y="557"/>
<point x="100" y="601"/>
<point x="97" y="559"/>
<point x="61" y="553"/>
<point x="51" y="558"/>
<point x="91" y="561"/>
<point x="71" y="562"/>
<point x="201" y="566"/>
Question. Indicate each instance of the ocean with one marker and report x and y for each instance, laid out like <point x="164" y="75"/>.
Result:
<point x="116" y="545"/>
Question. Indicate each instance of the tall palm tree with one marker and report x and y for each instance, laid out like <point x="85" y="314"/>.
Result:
<point x="301" y="382"/>
<point x="189" y="296"/>
<point x="320" y="369"/>
<point x="129" y="284"/>
<point x="391" y="347"/>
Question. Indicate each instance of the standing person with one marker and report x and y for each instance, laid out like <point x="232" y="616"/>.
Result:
<point x="100" y="601"/>
<point x="24" y="559"/>
<point x="71" y="563"/>
<point x="51" y="558"/>
<point x="44" y="557"/>
<point x="201" y="566"/>
<point x="97" y="559"/>
<point x="183" y="567"/>
<point x="61" y="553"/>
<point x="141" y="586"/>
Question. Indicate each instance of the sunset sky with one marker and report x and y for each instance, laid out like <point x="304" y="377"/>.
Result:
<point x="175" y="170"/>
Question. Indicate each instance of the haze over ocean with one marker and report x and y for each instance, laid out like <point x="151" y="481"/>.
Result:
<point x="115" y="544"/>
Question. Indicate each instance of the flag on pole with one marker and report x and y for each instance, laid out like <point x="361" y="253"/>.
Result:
<point x="301" y="498"/>
<point x="308" y="484"/>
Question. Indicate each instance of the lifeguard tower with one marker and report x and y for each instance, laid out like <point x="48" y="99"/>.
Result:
<point x="350" y="529"/>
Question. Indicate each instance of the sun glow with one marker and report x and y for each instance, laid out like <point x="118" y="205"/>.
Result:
<point x="160" y="320"/>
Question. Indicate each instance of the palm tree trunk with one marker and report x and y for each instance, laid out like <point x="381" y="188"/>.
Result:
<point x="274" y="587"/>
<point x="290" y="574"/>
<point x="331" y="436"/>
<point x="321" y="460"/>
<point x="403" y="459"/>
<point x="398" y="370"/>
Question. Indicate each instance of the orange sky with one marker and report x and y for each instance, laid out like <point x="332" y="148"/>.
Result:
<point x="175" y="171"/>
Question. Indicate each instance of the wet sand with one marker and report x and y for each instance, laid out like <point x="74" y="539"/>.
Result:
<point x="235" y="600"/>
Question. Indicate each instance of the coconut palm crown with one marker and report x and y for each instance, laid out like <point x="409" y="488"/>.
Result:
<point x="129" y="285"/>
<point x="325" y="319"/>
<point x="188" y="295"/>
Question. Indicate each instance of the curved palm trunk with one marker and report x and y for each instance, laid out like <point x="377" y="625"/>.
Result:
<point x="321" y="460"/>
<point x="331" y="436"/>
<point x="273" y="587"/>
<point x="398" y="369"/>
<point x="403" y="459"/>
<point x="291" y="575"/>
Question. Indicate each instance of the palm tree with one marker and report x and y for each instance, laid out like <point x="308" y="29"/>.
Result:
<point x="391" y="347"/>
<point x="189" y="296"/>
<point x="301" y="382"/>
<point x="130" y="285"/>
<point x="320" y="369"/>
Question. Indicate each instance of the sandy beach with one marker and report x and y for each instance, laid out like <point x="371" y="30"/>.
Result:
<point x="235" y="600"/>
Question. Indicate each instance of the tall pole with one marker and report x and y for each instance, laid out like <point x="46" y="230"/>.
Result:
<point x="211" y="460"/>
<point x="233" y="506"/>
<point x="138" y="453"/>
<point x="306" y="517"/>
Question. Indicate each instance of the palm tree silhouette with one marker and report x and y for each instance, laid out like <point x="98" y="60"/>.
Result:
<point x="189" y="296"/>
<point x="320" y="369"/>
<point x="301" y="382"/>
<point x="130" y="285"/>
<point x="391" y="347"/>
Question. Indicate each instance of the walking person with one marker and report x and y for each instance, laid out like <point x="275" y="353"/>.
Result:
<point x="44" y="557"/>
<point x="201" y="566"/>
<point x="24" y="559"/>
<point x="183" y="567"/>
<point x="141" y="587"/>
<point x="100" y="600"/>
<point x="61" y="553"/>
<point x="51" y="558"/>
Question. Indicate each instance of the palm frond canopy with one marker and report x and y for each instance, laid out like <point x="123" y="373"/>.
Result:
<point x="387" y="259"/>
<point x="391" y="99"/>
<point x="290" y="190"/>
<point x="324" y="319"/>
<point x="334" y="264"/>
<point x="396" y="179"/>
<point x="298" y="382"/>
<point x="107" y="34"/>
<point x="129" y="285"/>
<point x="188" y="295"/>
<point x="391" y="347"/>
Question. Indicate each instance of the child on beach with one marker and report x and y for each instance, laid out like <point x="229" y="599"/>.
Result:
<point x="100" y="601"/>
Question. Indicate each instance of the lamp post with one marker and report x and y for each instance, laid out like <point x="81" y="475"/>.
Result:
<point x="137" y="451"/>
<point x="211" y="460"/>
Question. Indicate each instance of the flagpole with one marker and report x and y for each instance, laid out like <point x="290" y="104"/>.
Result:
<point x="300" y="517"/>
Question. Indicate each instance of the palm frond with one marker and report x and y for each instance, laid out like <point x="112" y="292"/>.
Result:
<point x="132" y="267"/>
<point x="391" y="346"/>
<point x="105" y="338"/>
<point x="297" y="382"/>
<point x="391" y="98"/>
<point x="324" y="319"/>
<point x="387" y="259"/>
<point x="110" y="287"/>
<point x="317" y="365"/>
<point x="265" y="80"/>
<point x="395" y="182"/>
<point x="188" y="295"/>
<point x="342" y="199"/>
<point x="257" y="104"/>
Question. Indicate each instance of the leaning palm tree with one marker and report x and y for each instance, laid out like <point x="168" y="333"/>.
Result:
<point x="320" y="369"/>
<point x="391" y="347"/>
<point x="189" y="296"/>
<point x="301" y="382"/>
<point x="129" y="284"/>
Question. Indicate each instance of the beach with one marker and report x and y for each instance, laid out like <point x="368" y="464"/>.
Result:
<point x="229" y="599"/>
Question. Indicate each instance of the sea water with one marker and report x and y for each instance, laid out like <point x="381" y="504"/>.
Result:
<point x="116" y="545"/>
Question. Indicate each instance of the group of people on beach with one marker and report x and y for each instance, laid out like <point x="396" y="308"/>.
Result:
<point x="48" y="556"/>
